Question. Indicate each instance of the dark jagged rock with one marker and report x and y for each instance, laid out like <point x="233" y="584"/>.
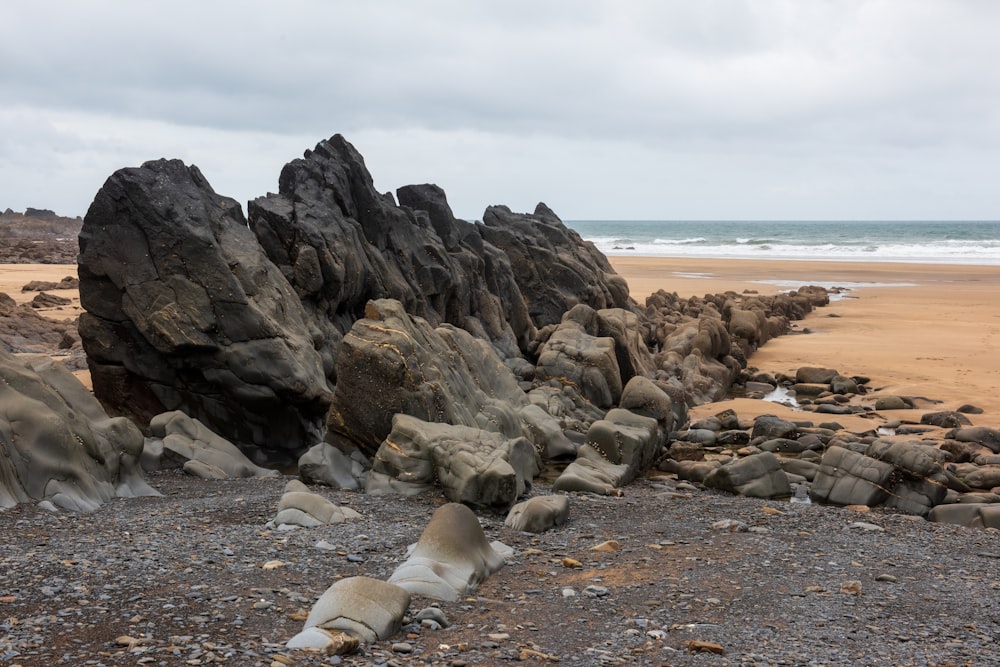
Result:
<point x="555" y="268"/>
<point x="185" y="312"/>
<point x="340" y="244"/>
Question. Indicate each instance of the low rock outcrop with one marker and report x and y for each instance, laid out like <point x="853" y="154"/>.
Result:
<point x="538" y="514"/>
<point x="470" y="465"/>
<point x="451" y="558"/>
<point x="301" y="507"/>
<point x="365" y="608"/>
<point x="177" y="440"/>
<point x="56" y="442"/>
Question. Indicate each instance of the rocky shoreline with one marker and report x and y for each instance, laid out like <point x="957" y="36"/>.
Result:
<point x="409" y="366"/>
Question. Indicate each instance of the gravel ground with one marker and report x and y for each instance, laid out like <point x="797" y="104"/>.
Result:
<point x="181" y="579"/>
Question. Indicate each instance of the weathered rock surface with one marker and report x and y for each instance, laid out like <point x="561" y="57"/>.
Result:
<point x="394" y="363"/>
<point x="185" y="312"/>
<point x="618" y="448"/>
<point x="58" y="444"/>
<point x="472" y="466"/>
<point x="301" y="507"/>
<point x="451" y="558"/>
<point x="178" y="440"/>
<point x="538" y="514"/>
<point x="554" y="267"/>
<point x="330" y="466"/>
<point x="362" y="607"/>
<point x="757" y="476"/>
<point x="340" y="244"/>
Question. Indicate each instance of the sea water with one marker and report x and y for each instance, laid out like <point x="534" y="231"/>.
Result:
<point x="934" y="242"/>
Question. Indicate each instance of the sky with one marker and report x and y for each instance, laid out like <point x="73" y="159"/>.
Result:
<point x="602" y="109"/>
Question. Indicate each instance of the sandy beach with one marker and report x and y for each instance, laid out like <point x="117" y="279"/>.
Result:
<point x="929" y="330"/>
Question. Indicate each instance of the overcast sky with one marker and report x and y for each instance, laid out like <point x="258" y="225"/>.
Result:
<point x="659" y="109"/>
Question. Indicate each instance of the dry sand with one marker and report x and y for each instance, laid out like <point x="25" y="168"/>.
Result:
<point x="15" y="276"/>
<point x="916" y="329"/>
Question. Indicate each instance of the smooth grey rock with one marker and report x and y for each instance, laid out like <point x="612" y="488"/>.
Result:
<point x="846" y="477"/>
<point x="325" y="464"/>
<point x="185" y="439"/>
<point x="769" y="426"/>
<point x="538" y="514"/>
<point x="981" y="435"/>
<point x="814" y="375"/>
<point x="451" y="558"/>
<point x="369" y="609"/>
<point x="757" y="476"/>
<point x="299" y="506"/>
<point x="57" y="443"/>
<point x="469" y="464"/>
<point x="970" y="515"/>
<point x="618" y="448"/>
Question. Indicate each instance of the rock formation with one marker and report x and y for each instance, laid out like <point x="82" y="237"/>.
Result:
<point x="56" y="442"/>
<point x="185" y="312"/>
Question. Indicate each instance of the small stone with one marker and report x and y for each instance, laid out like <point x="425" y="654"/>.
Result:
<point x="698" y="646"/>
<point x="498" y="636"/>
<point x="732" y="525"/>
<point x="595" y="591"/>
<point x="568" y="593"/>
<point x="272" y="565"/>
<point x="851" y="588"/>
<point x="887" y="578"/>
<point x="610" y="545"/>
<point x="861" y="525"/>
<point x="402" y="647"/>
<point x="571" y="563"/>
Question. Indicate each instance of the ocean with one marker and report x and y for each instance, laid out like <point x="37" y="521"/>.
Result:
<point x="932" y="242"/>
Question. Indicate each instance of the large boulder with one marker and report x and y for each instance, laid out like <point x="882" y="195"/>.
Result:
<point x="394" y="363"/>
<point x="472" y="466"/>
<point x="184" y="311"/>
<point x="58" y="444"/>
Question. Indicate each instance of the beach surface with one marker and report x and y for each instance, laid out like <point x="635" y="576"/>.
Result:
<point x="930" y="330"/>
